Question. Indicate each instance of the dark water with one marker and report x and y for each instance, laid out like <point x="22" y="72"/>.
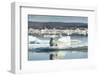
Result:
<point x="65" y="54"/>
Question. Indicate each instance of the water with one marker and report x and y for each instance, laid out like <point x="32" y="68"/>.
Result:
<point x="68" y="55"/>
<point x="60" y="54"/>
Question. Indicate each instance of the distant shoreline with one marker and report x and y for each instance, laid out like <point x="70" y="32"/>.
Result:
<point x="57" y="25"/>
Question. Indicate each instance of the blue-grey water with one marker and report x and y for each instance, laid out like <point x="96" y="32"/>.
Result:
<point x="68" y="54"/>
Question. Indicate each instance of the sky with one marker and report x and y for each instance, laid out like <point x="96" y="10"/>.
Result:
<point x="45" y="18"/>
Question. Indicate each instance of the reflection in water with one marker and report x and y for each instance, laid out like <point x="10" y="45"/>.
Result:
<point x="57" y="55"/>
<point x="51" y="56"/>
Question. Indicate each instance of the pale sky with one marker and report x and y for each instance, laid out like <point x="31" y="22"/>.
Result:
<point x="42" y="18"/>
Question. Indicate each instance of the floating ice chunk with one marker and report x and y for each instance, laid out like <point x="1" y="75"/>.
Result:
<point x="64" y="42"/>
<point x="32" y="38"/>
<point x="65" y="39"/>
